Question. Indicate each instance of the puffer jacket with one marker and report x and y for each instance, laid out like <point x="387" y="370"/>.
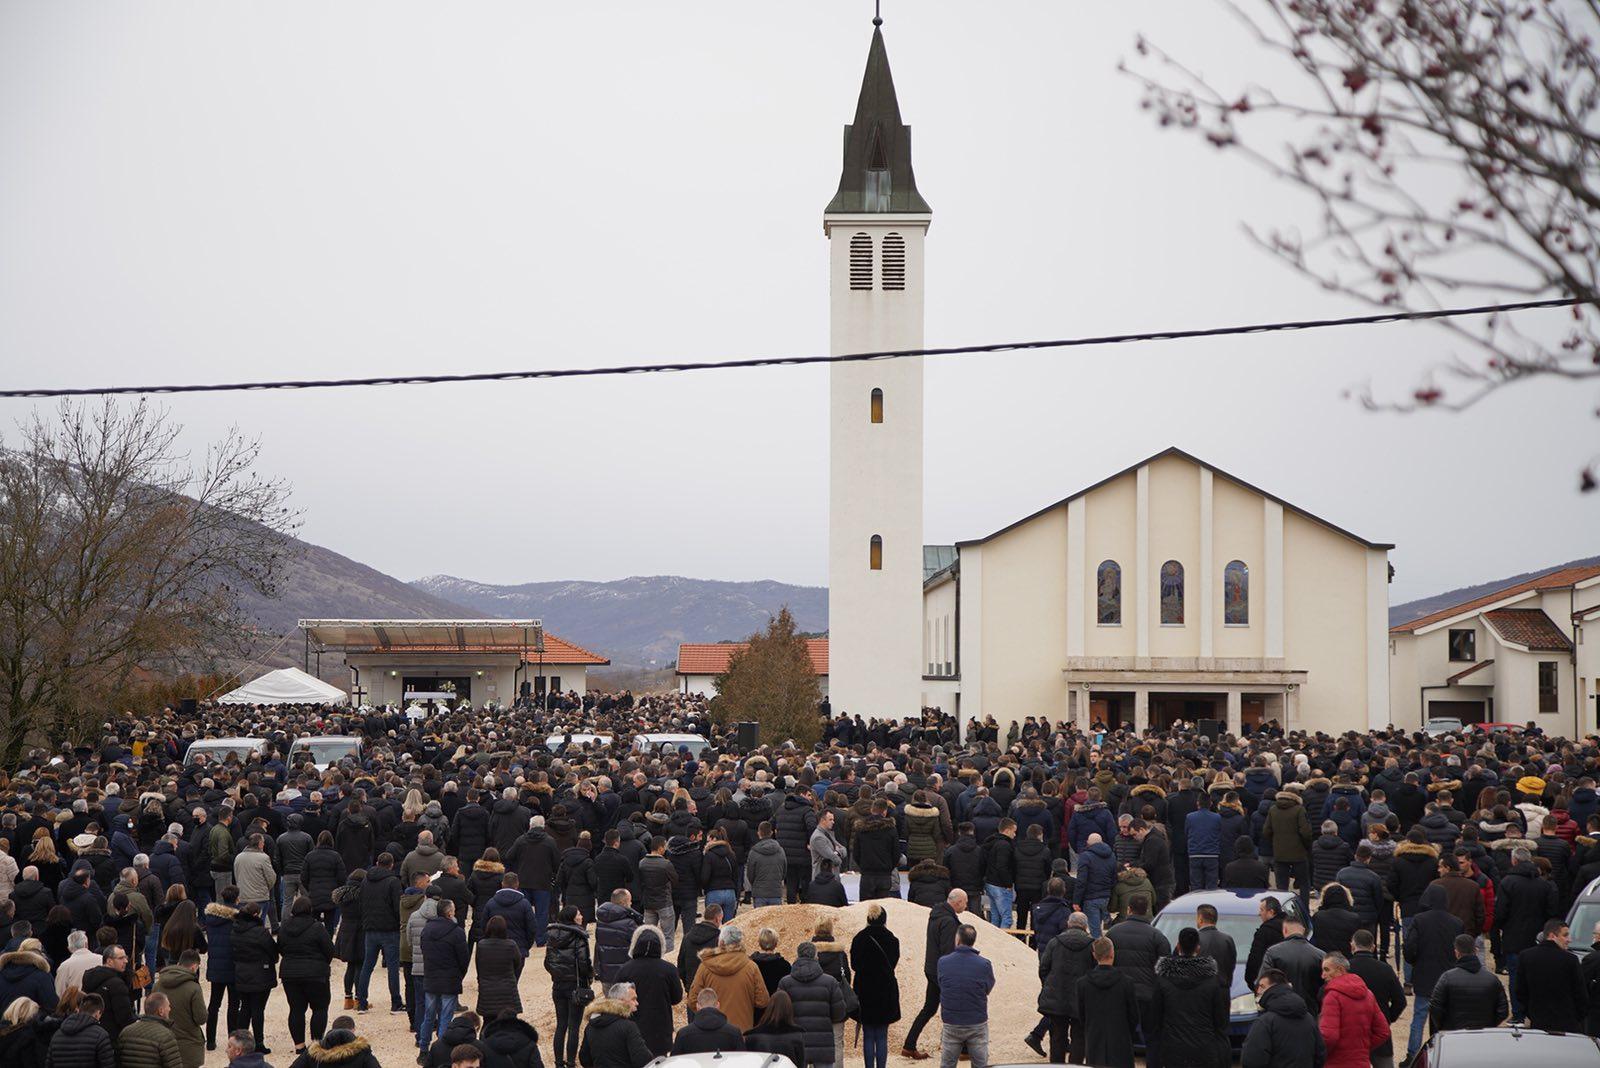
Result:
<point x="964" y="860"/>
<point x="1352" y="1023"/>
<point x="567" y="958"/>
<point x="1466" y="996"/>
<point x="1139" y="947"/>
<point x="764" y="868"/>
<point x="612" y="937"/>
<point x="1091" y="817"/>
<point x="818" y="1005"/>
<point x="321" y="873"/>
<point x="1064" y="960"/>
<point x="498" y="963"/>
<point x="1329" y="853"/>
<point x="1033" y="866"/>
<point x="469" y="833"/>
<point x="1097" y="874"/>
<point x="792" y="830"/>
<point x="1192" y="1012"/>
<point x="1416" y="864"/>
<point x="1367" y="894"/>
<point x="928" y="883"/>
<point x="1287" y="829"/>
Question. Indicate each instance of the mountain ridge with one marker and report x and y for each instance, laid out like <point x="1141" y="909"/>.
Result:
<point x="1423" y="606"/>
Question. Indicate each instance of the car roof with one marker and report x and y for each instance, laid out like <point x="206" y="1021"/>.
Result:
<point x="1492" y="1046"/>
<point x="675" y="737"/>
<point x="1226" y="902"/>
<point x="309" y="738"/>
<point x="225" y="743"/>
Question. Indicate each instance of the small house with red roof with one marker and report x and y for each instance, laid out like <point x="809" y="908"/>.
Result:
<point x="699" y="664"/>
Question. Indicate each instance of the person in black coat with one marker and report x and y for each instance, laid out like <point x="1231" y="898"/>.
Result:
<point x="1268" y="934"/>
<point x="305" y="955"/>
<point x="1191" y="1008"/>
<point x="1430" y="952"/>
<point x="1549" y="983"/>
<point x="708" y="1031"/>
<point x="1245" y="871"/>
<point x="1386" y="987"/>
<point x="1467" y="996"/>
<point x="575" y="881"/>
<point x="1108" y="1006"/>
<point x="943" y="923"/>
<point x="109" y="981"/>
<point x="819" y="1003"/>
<point x="571" y="968"/>
<point x="498" y="961"/>
<point x="1285" y="1033"/>
<point x="610" y="1037"/>
<point x="255" y="956"/>
<point x="613" y="935"/>
<point x="81" y="1041"/>
<point x="1335" y="922"/>
<point x="1064" y="960"/>
<point x="321" y="873"/>
<point x="874" y="952"/>
<point x="1139" y="947"/>
<point x="1591" y="983"/>
<point x="469" y="830"/>
<point x="445" y="957"/>
<point x="825" y="888"/>
<point x="657" y="988"/>
<point x="928" y="883"/>
<point x="1523" y="902"/>
<point x="510" y="1043"/>
<point x="777" y="1032"/>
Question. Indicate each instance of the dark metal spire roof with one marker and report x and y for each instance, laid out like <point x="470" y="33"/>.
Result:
<point x="877" y="174"/>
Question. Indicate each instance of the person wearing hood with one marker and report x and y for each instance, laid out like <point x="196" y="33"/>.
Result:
<point x="576" y="885"/>
<point x="1097" y="879"/>
<point x="512" y="905"/>
<point x="434" y="821"/>
<point x="1285" y="1034"/>
<point x="1090" y="817"/>
<point x="355" y="837"/>
<point x="825" y="888"/>
<point x="615" y="922"/>
<point x="571" y="968"/>
<point x="1352" y="1024"/>
<point x="1063" y="960"/>
<point x="1190" y="1011"/>
<point x="708" y="1030"/>
<point x="766" y="867"/>
<point x="819" y="1004"/>
<point x="1336" y="920"/>
<point x="341" y="1047"/>
<point x="322" y="871"/>
<point x="1429" y="952"/>
<point x="1107" y="1008"/>
<point x="926" y="836"/>
<point x="1288" y="832"/>
<point x="508" y="821"/>
<point x="81" y="1041"/>
<point x="657" y="984"/>
<point x="25" y="973"/>
<point x="1467" y="996"/>
<point x="611" y="1038"/>
<point x="427" y="859"/>
<point x="510" y="1042"/>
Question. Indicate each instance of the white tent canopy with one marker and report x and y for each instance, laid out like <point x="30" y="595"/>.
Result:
<point x="286" y="686"/>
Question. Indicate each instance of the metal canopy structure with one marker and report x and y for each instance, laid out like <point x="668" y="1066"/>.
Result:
<point x="431" y="635"/>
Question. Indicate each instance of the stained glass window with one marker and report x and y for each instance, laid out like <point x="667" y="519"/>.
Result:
<point x="1109" y="597"/>
<point x="1172" y="592"/>
<point x="1236" y="593"/>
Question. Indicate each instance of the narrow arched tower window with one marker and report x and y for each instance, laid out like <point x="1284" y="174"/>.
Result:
<point x="894" y="261"/>
<point x="877" y="406"/>
<point x="861" y="261"/>
<point x="875" y="554"/>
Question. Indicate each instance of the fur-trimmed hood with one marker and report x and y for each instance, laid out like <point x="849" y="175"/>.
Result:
<point x="338" y="1046"/>
<point x="1453" y="785"/>
<point x="1508" y="844"/>
<point x="914" y="809"/>
<point x="1416" y="849"/>
<point x="607" y="1007"/>
<point x="218" y="909"/>
<point x="928" y="869"/>
<point x="724" y="960"/>
<point x="1148" y="788"/>
<point x="652" y="948"/>
<point x="831" y="947"/>
<point x="25" y="956"/>
<point x="493" y="867"/>
<point x="875" y="823"/>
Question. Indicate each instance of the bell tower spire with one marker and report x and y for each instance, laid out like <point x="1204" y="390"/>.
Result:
<point x="876" y="223"/>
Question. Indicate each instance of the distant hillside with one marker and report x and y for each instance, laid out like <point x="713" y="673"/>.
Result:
<point x="320" y="583"/>
<point x="1405" y="613"/>
<point x="637" y="620"/>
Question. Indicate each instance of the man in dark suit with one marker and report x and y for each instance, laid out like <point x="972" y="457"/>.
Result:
<point x="1549" y="983"/>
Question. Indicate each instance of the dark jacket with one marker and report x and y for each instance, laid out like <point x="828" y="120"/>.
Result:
<point x="1064" y="960"/>
<point x="966" y="978"/>
<point x="1109" y="1008"/>
<point x="964" y="860"/>
<point x="499" y="964"/>
<point x="1139" y="947"/>
<point x="304" y="949"/>
<point x="1522" y="904"/>
<point x="1301" y="961"/>
<point x="1285" y="1035"/>
<point x="1033" y="866"/>
<point x="610" y="1037"/>
<point x="943" y="923"/>
<point x="1430" y="950"/>
<point x="1551" y="989"/>
<point x="469" y="833"/>
<point x="658" y="985"/>
<point x="928" y="883"/>
<point x="255" y="956"/>
<point x="26" y="975"/>
<point x="1386" y="988"/>
<point x="338" y="1049"/>
<point x="28" y="1045"/>
<point x="1219" y="946"/>
<point x="81" y="1042"/>
<point x="612" y="936"/>
<point x="657" y="879"/>
<point x="1097" y="874"/>
<point x="790" y="1043"/>
<point x="708" y="1031"/>
<point x="1329" y="853"/>
<point x="792" y="827"/>
<point x="700" y="936"/>
<point x="510" y="1043"/>
<point x="567" y="958"/>
<point x="874" y="952"/>
<point x="818" y="1005"/>
<point x="321" y="873"/>
<point x="1467" y="996"/>
<point x="513" y="905"/>
<point x="535" y="858"/>
<point x="113" y="989"/>
<point x="1415" y="865"/>
<point x="444" y="956"/>
<point x="1191" y="1014"/>
<point x="1287" y="829"/>
<point x="148" y="1043"/>
<point x="1267" y="935"/>
<point x="380" y="901"/>
<point x="1332" y="928"/>
<point x="1366" y="891"/>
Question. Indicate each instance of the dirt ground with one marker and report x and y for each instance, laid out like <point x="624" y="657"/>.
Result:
<point x="1011" y="1007"/>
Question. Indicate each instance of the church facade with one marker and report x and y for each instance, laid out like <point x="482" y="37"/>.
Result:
<point x="1168" y="591"/>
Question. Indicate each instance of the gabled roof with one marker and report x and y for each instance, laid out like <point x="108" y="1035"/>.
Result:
<point x="1558" y="579"/>
<point x="1179" y="453"/>
<point x="879" y="142"/>
<point x="1529" y="628"/>
<point x="712" y="658"/>
<point x="521" y="636"/>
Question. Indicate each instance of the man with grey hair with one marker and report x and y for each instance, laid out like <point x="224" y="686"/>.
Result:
<point x="728" y="970"/>
<point x="79" y="960"/>
<point x="944" y="920"/>
<point x="612" y="1037"/>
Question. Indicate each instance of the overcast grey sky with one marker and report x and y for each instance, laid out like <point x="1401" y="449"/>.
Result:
<point x="198" y="191"/>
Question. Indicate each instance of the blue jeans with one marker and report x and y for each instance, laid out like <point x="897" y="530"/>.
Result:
<point x="1419" y="1020"/>
<point x="1095" y="912"/>
<point x="388" y="942"/>
<point x="763" y="902"/>
<point x="1518" y="1009"/>
<point x="875" y="1045"/>
<point x="436" y="1017"/>
<point x="540" y="900"/>
<point x="1202" y="873"/>
<point x="1000" y="899"/>
<point x="728" y="899"/>
<point x="152" y="944"/>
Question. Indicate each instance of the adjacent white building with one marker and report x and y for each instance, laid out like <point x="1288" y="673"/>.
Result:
<point x="1169" y="591"/>
<point x="1515" y="655"/>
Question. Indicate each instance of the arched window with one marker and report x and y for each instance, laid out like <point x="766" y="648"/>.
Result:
<point x="894" y="261"/>
<point x="1108" y="597"/>
<point x="1236" y="593"/>
<point x="877" y="406"/>
<point x="875" y="554"/>
<point x="860" y="261"/>
<point x="1172" y="592"/>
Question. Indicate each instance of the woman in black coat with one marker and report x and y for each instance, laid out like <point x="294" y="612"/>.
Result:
<point x="499" y="963"/>
<point x="487" y="873"/>
<point x="26" y="1044"/>
<point x="254" y="956"/>
<point x="1191" y="1008"/>
<point x="1064" y="960"/>
<point x="1335" y="921"/>
<point x="658" y="985"/>
<point x="321" y="873"/>
<point x="305" y="964"/>
<point x="575" y="882"/>
<point x="874" y="952"/>
<point x="349" y="941"/>
<point x="571" y="968"/>
<point x="777" y="1032"/>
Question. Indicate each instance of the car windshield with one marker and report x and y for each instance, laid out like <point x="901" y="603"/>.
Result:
<point x="1584" y="917"/>
<point x="324" y="751"/>
<point x="1241" y="927"/>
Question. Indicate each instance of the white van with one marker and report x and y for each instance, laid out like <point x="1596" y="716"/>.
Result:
<point x="671" y="743"/>
<point x="216" y="750"/>
<point x="326" y="749"/>
<point x="558" y="742"/>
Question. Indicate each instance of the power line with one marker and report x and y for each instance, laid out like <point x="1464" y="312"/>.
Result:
<point x="796" y="361"/>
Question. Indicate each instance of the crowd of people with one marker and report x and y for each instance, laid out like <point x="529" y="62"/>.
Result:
<point x="155" y="903"/>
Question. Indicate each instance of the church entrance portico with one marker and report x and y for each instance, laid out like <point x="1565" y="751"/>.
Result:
<point x="1158" y="695"/>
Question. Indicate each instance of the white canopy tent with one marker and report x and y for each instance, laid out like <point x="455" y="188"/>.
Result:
<point x="286" y="686"/>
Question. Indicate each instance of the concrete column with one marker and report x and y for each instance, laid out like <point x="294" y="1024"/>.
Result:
<point x="1073" y="710"/>
<point x="1235" y="712"/>
<point x="1141" y="710"/>
<point x="1291" y="708"/>
<point x="1141" y="584"/>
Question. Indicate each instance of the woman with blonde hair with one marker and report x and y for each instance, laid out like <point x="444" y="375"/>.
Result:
<point x="835" y="960"/>
<point x="25" y="1033"/>
<point x="45" y="858"/>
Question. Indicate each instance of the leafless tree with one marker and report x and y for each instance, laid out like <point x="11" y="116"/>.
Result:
<point x="119" y="558"/>
<point x="1453" y="147"/>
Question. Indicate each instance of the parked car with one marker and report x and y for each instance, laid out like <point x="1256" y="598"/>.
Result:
<point x="671" y="743"/>
<point x="1583" y="915"/>
<point x="1442" y="725"/>
<point x="1238" y="917"/>
<point x="216" y="750"/>
<point x="557" y="742"/>
<point x="723" y="1060"/>
<point x="1495" y="1047"/>
<point x="326" y="750"/>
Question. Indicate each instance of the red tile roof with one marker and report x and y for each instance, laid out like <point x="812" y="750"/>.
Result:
<point x="1528" y="627"/>
<point x="712" y="659"/>
<point x="1553" y="580"/>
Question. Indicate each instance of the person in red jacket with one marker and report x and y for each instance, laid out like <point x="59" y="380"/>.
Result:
<point x="1352" y="1023"/>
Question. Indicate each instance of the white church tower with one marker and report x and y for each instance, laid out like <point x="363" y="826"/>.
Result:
<point x="875" y="226"/>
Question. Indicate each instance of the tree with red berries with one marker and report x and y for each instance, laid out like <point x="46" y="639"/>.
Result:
<point x="1501" y="98"/>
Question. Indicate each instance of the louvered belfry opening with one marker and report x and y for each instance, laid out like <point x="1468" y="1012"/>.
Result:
<point x="894" y="261"/>
<point x="861" y="261"/>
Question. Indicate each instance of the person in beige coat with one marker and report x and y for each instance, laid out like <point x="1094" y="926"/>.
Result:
<point x="728" y="969"/>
